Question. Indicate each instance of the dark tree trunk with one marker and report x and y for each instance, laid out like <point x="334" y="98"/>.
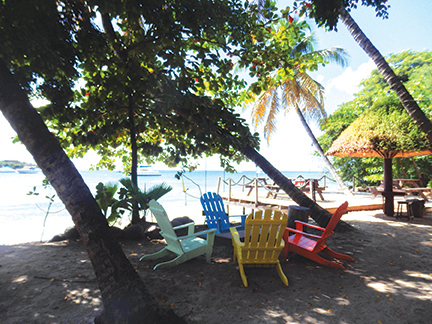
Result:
<point x="124" y="295"/>
<point x="319" y="214"/>
<point x="390" y="77"/>
<point x="134" y="164"/>
<point x="318" y="147"/>
<point x="388" y="187"/>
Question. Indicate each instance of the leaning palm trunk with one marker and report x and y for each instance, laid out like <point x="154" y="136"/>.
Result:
<point x="390" y="77"/>
<point x="329" y="166"/>
<point x="124" y="295"/>
<point x="319" y="214"/>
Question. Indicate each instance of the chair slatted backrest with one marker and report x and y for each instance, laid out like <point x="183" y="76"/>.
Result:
<point x="342" y="209"/>
<point x="214" y="210"/>
<point x="263" y="236"/>
<point x="166" y="227"/>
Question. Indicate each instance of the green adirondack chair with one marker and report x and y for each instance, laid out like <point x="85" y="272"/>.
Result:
<point x="185" y="247"/>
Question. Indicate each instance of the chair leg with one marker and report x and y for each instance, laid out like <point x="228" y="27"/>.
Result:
<point x="337" y="255"/>
<point x="285" y="249"/>
<point x="209" y="253"/>
<point x="281" y="274"/>
<point x="327" y="263"/>
<point x="167" y="264"/>
<point x="157" y="255"/>
<point x="243" y="275"/>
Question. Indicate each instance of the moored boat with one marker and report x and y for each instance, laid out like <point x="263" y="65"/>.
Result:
<point x="147" y="170"/>
<point x="7" y="169"/>
<point x="28" y="170"/>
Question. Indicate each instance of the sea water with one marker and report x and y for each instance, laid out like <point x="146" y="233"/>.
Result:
<point x="22" y="216"/>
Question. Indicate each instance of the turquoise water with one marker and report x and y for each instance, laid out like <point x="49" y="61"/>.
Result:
<point x="22" y="216"/>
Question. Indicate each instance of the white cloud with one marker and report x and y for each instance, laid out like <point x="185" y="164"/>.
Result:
<point x="320" y="78"/>
<point x="349" y="80"/>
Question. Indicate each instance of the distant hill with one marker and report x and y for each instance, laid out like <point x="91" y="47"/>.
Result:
<point x="15" y="164"/>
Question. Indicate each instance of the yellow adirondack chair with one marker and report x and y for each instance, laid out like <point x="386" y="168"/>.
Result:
<point x="185" y="247"/>
<point x="262" y="242"/>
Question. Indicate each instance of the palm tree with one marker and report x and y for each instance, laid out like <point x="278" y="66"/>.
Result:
<point x="301" y="93"/>
<point x="408" y="102"/>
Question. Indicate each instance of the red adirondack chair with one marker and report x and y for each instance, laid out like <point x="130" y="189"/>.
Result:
<point x="309" y="245"/>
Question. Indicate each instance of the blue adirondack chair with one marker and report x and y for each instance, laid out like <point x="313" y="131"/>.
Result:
<point x="216" y="217"/>
<point x="185" y="247"/>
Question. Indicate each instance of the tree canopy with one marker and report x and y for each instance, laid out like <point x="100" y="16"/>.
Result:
<point x="160" y="74"/>
<point x="326" y="13"/>
<point x="414" y="69"/>
<point x="384" y="130"/>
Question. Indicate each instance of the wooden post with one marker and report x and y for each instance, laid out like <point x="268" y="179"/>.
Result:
<point x="256" y="191"/>
<point x="229" y="195"/>
<point x="218" y="185"/>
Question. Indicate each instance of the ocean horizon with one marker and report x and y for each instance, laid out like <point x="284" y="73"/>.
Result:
<point x="23" y="215"/>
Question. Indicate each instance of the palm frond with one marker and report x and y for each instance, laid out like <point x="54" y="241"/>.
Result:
<point x="260" y="107"/>
<point x="312" y="97"/>
<point x="306" y="45"/>
<point x="270" y="125"/>
<point x="288" y="91"/>
<point x="333" y="54"/>
<point x="157" y="191"/>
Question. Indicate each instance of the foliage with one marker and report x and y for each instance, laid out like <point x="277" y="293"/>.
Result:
<point x="385" y="129"/>
<point x="50" y="198"/>
<point x="161" y="72"/>
<point x="415" y="71"/>
<point x="113" y="208"/>
<point x="292" y="88"/>
<point x="326" y="13"/>
<point x="158" y="59"/>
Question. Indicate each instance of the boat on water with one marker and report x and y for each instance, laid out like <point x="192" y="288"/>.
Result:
<point x="7" y="169"/>
<point x="28" y="170"/>
<point x="147" y="170"/>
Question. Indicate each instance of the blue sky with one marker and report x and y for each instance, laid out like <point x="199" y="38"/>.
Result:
<point x="408" y="27"/>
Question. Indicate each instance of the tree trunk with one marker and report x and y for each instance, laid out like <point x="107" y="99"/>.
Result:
<point x="124" y="295"/>
<point x="390" y="77"/>
<point x="319" y="214"/>
<point x="134" y="165"/>
<point x="318" y="147"/>
<point x="388" y="188"/>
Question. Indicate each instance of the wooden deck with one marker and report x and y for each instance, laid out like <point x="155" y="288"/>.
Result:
<point x="258" y="196"/>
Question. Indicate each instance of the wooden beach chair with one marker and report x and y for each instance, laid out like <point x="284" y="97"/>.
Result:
<point x="262" y="243"/>
<point x="309" y="245"/>
<point x="185" y="247"/>
<point x="216" y="217"/>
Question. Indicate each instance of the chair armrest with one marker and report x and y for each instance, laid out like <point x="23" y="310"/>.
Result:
<point x="289" y="229"/>
<point x="242" y="218"/>
<point x="235" y="237"/>
<point x="309" y="225"/>
<point x="209" y="232"/>
<point x="190" y="226"/>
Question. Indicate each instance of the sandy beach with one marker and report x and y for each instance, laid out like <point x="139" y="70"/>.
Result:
<point x="390" y="280"/>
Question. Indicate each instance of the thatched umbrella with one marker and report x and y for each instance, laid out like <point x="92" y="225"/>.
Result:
<point x="384" y="131"/>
